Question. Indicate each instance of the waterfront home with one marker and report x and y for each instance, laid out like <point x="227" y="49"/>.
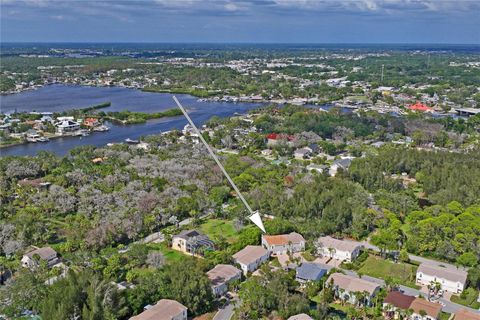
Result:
<point x="348" y="288"/>
<point x="192" y="242"/>
<point x="32" y="258"/>
<point x="342" y="164"/>
<point x="284" y="243"/>
<point x="301" y="316"/>
<point x="449" y="278"/>
<point x="91" y="122"/>
<point x="220" y="276"/>
<point x="310" y="272"/>
<point x="251" y="257"/>
<point x="425" y="310"/>
<point x="32" y="135"/>
<point x="66" y="126"/>
<point x="464" y="314"/>
<point x="343" y="250"/>
<point x="165" y="309"/>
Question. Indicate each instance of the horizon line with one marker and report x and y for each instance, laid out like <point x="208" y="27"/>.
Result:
<point x="239" y="42"/>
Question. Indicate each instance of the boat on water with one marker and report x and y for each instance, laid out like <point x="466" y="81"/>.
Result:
<point x="101" y="128"/>
<point x="81" y="133"/>
<point x="132" y="141"/>
<point x="43" y="139"/>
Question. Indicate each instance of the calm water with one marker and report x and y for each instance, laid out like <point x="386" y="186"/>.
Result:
<point x="62" y="97"/>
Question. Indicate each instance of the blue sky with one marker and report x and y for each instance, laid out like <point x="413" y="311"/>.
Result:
<point x="284" y="21"/>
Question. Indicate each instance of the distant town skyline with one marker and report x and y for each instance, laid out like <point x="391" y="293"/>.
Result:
<point x="249" y="21"/>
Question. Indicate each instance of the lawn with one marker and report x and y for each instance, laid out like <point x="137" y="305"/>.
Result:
<point x="467" y="298"/>
<point x="379" y="268"/>
<point x="215" y="228"/>
<point x="170" y="254"/>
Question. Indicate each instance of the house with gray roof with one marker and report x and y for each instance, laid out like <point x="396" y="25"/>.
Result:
<point x="251" y="257"/>
<point x="347" y="287"/>
<point x="165" y="309"/>
<point x="220" y="276"/>
<point x="310" y="272"/>
<point x="450" y="279"/>
<point x="340" y="249"/>
<point x="32" y="258"/>
<point x="342" y="164"/>
<point x="192" y="242"/>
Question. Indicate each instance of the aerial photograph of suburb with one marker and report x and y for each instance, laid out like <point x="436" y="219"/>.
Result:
<point x="239" y="159"/>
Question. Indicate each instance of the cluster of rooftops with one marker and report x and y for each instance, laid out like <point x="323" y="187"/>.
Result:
<point x="251" y="257"/>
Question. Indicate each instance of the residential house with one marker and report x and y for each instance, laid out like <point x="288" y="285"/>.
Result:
<point x="220" y="276"/>
<point x="192" y="242"/>
<point x="317" y="167"/>
<point x="164" y="310"/>
<point x="32" y="258"/>
<point x="449" y="278"/>
<point x="251" y="257"/>
<point x="464" y="314"/>
<point x="301" y="316"/>
<point x="266" y="152"/>
<point x="31" y="135"/>
<point x="91" y="122"/>
<point x="425" y="310"/>
<point x="310" y="272"/>
<point x="395" y="303"/>
<point x="66" y="126"/>
<point x="302" y="153"/>
<point x="348" y="287"/>
<point x="284" y="243"/>
<point x="342" y="164"/>
<point x="344" y="250"/>
<point x="275" y="138"/>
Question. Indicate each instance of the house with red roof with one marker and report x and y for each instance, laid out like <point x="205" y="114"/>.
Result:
<point x="275" y="138"/>
<point x="420" y="107"/>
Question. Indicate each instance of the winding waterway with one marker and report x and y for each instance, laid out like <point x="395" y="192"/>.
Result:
<point x="56" y="98"/>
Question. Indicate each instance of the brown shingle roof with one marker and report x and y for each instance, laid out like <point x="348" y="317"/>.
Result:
<point x="222" y="273"/>
<point x="249" y="254"/>
<point x="399" y="299"/>
<point x="164" y="310"/>
<point x="44" y="253"/>
<point x="432" y="309"/>
<point x="284" y="239"/>
<point x="455" y="275"/>
<point x="464" y="314"/>
<point x="352" y="284"/>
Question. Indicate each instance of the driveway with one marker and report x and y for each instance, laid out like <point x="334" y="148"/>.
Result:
<point x="227" y="312"/>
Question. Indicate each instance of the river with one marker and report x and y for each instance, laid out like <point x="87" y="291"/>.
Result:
<point x="57" y="97"/>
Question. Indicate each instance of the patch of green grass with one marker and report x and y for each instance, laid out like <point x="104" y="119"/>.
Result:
<point x="215" y="228"/>
<point x="444" y="316"/>
<point x="468" y="298"/>
<point x="379" y="268"/>
<point x="170" y="254"/>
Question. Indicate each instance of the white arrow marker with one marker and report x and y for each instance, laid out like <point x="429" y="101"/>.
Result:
<point x="254" y="216"/>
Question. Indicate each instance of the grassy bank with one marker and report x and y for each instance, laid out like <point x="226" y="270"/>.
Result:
<point x="130" y="117"/>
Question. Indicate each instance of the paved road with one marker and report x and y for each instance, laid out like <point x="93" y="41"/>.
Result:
<point x="225" y="313"/>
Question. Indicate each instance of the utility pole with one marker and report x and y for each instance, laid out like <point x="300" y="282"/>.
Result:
<point x="254" y="215"/>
